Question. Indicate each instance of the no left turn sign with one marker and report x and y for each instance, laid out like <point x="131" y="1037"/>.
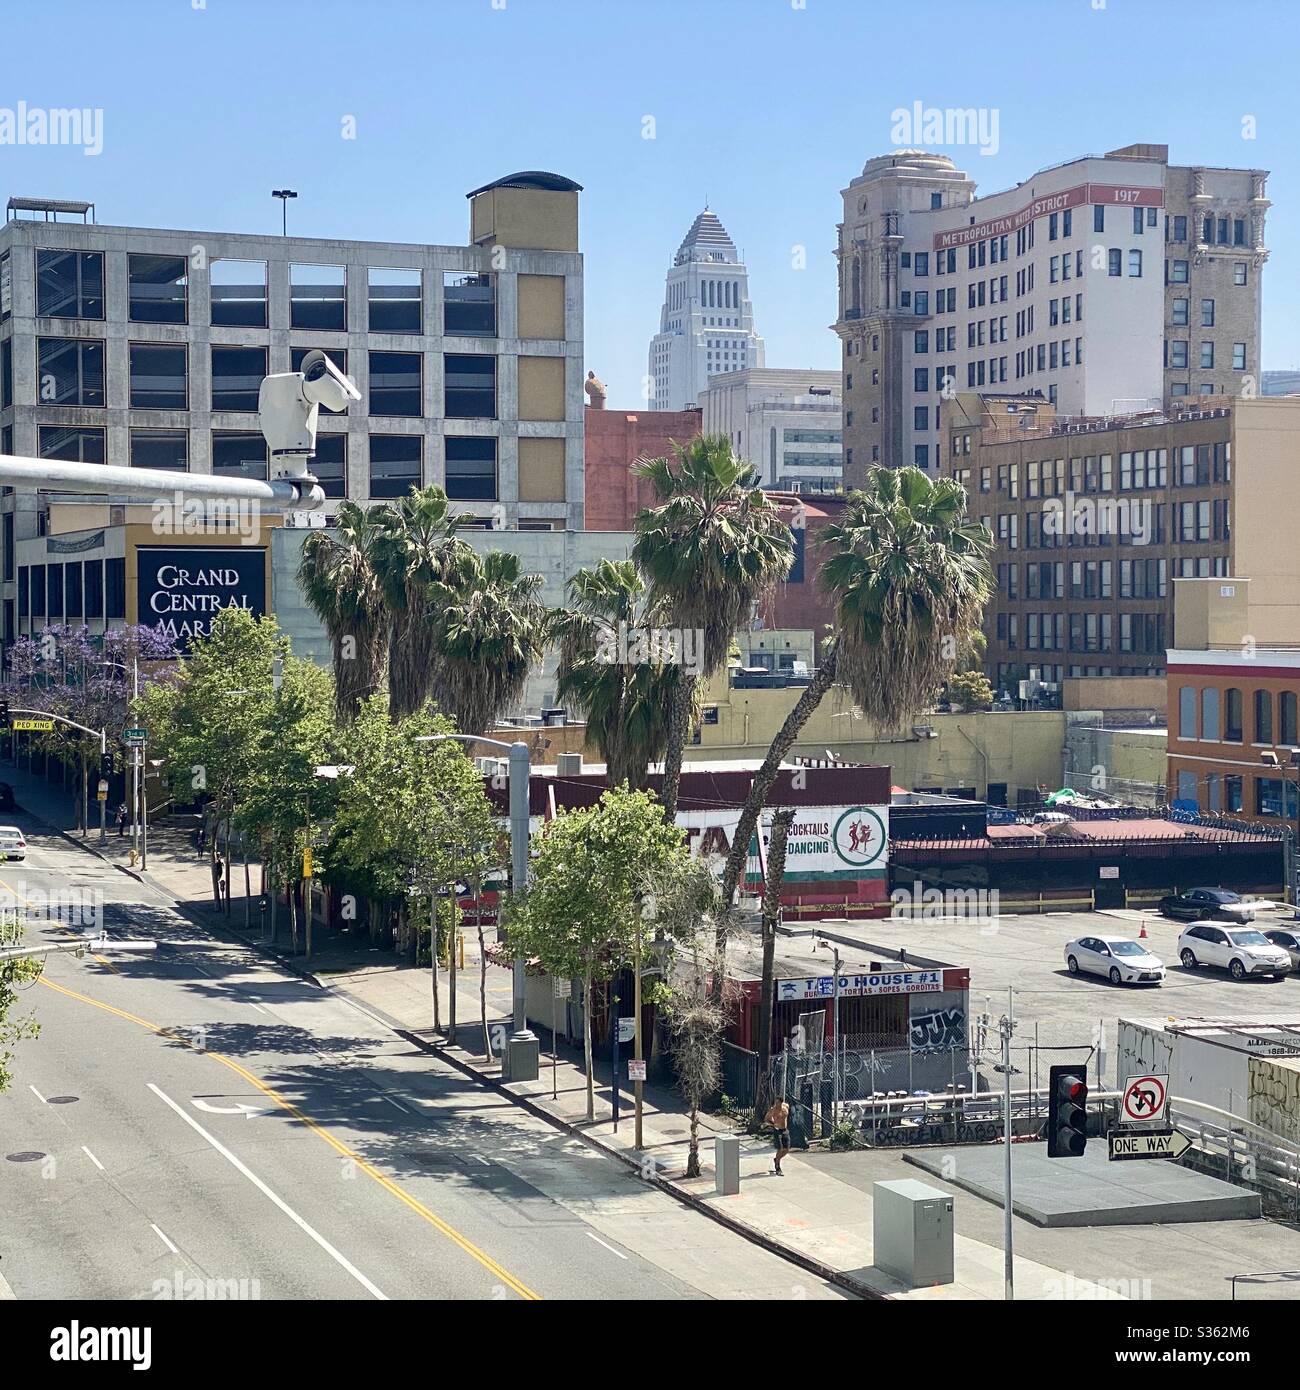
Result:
<point x="1144" y="1097"/>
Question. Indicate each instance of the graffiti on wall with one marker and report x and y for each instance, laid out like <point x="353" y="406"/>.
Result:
<point x="940" y="1028"/>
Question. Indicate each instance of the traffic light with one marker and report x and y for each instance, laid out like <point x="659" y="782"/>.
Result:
<point x="1067" y="1112"/>
<point x="106" y="765"/>
<point x="4" y="711"/>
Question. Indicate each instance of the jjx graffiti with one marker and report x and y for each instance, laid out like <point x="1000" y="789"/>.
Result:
<point x="941" y="1028"/>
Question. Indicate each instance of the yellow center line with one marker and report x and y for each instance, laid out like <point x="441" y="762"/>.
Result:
<point x="320" y="1131"/>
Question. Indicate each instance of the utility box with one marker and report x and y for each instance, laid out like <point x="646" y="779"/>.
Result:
<point x="912" y="1228"/>
<point x="726" y="1165"/>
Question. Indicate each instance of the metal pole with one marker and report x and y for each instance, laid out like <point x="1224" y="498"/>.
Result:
<point x="522" y="1040"/>
<point x="637" y="1085"/>
<point x="613" y="1048"/>
<point x="103" y="804"/>
<point x="135" y="763"/>
<point x="144" y="822"/>
<point x="835" y="1046"/>
<point x="555" y="1051"/>
<point x="1008" y="1264"/>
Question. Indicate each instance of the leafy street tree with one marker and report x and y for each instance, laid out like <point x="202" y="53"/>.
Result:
<point x="910" y="574"/>
<point x="410" y="819"/>
<point x="15" y="975"/>
<point x="416" y="551"/>
<point x="582" y="916"/>
<point x="339" y="579"/>
<point x="970" y="690"/>
<point x="624" y="702"/>
<point x="208" y="724"/>
<point x="490" y="623"/>
<point x="713" y="547"/>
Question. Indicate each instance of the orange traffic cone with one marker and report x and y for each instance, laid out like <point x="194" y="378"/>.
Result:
<point x="1142" y="935"/>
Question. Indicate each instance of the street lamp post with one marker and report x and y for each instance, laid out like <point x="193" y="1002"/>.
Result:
<point x="1290" y="833"/>
<point x="284" y="194"/>
<point x="522" y="1057"/>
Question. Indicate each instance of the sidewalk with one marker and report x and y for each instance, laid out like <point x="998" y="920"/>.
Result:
<point x="808" y="1215"/>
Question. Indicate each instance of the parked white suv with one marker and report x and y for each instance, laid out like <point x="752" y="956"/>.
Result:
<point x="1241" y="951"/>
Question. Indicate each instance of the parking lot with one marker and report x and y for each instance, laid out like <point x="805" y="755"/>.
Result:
<point x="1026" y="952"/>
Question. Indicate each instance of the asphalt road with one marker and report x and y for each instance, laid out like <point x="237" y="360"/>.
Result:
<point x="197" y="1122"/>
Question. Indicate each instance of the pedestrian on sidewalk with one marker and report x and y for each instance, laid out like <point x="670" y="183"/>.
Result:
<point x="779" y="1118"/>
<point x="202" y="839"/>
<point x="122" y="817"/>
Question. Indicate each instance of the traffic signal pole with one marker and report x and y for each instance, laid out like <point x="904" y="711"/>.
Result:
<point x="1006" y="1027"/>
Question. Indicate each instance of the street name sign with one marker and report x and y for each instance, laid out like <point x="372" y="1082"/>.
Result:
<point x="136" y="735"/>
<point x="1148" y="1143"/>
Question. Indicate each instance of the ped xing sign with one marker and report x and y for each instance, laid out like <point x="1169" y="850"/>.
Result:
<point x="34" y="726"/>
<point x="1148" y="1143"/>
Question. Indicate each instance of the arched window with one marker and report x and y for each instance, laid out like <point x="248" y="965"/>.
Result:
<point x="1263" y="716"/>
<point x="1232" y="715"/>
<point x="1287" y="717"/>
<point x="1187" y="712"/>
<point x="1209" y="713"/>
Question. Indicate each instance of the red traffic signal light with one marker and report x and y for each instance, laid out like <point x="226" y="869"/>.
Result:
<point x="1067" y="1112"/>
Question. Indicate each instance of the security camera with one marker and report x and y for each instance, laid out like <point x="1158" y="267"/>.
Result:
<point x="323" y="383"/>
<point x="288" y="405"/>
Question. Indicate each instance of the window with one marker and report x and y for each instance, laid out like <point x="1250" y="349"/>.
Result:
<point x="1239" y="272"/>
<point x="94" y="588"/>
<point x="158" y="288"/>
<point x="6" y="375"/>
<point x="54" y="589"/>
<point x="238" y="294"/>
<point x="1098" y="218"/>
<point x="920" y="378"/>
<point x="1232" y="715"/>
<point x="469" y="387"/>
<point x="394" y="464"/>
<point x="1286" y="709"/>
<point x="78" y="444"/>
<point x="1207" y="354"/>
<point x="1179" y="317"/>
<point x="1239" y="357"/>
<point x="1180" y="229"/>
<point x="1207" y="313"/>
<point x="239" y="453"/>
<point x="1178" y="272"/>
<point x="1178" y="355"/>
<point x="471" y="473"/>
<point x="70" y="284"/>
<point x="237" y="374"/>
<point x="1209" y="713"/>
<point x="1263" y="716"/>
<point x="6" y="287"/>
<point x="71" y="371"/>
<point x="395" y="383"/>
<point x="1114" y="262"/>
<point x="160" y="449"/>
<point x="921" y="455"/>
<point x="468" y="305"/>
<point x="38" y="591"/>
<point x="921" y="263"/>
<point x="1187" y="712"/>
<point x="920" y="417"/>
<point x="330" y="463"/>
<point x="395" y="300"/>
<point x="72" y="589"/>
<point x="158" y="377"/>
<point x="318" y="297"/>
<point x="1135" y="263"/>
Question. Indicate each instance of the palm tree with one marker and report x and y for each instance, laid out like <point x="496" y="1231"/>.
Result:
<point x="625" y="705"/>
<point x="711" y="549"/>
<point x="911" y="575"/>
<point x="338" y="578"/>
<point x="416" y="551"/>
<point x="490" y="626"/>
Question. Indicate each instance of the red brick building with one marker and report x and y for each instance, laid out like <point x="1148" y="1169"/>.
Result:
<point x="615" y="440"/>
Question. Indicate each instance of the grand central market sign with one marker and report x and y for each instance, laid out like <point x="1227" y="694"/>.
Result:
<point x="180" y="590"/>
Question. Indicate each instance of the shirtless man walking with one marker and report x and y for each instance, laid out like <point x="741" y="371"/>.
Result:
<point x="779" y="1118"/>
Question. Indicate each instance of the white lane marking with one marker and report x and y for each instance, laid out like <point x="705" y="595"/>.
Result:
<point x="164" y="1240"/>
<point x="397" y="1103"/>
<point x="37" y="1094"/>
<point x="610" y="1248"/>
<point x="257" y="1182"/>
<point x="478" y="1158"/>
<point x="257" y="1006"/>
<point x="92" y="1158"/>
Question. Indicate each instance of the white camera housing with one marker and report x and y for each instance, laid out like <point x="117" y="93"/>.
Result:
<point x="288" y="405"/>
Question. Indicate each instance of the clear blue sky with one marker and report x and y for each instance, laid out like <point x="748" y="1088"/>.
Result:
<point x="768" y="107"/>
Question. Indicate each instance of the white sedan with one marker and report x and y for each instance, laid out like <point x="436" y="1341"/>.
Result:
<point x="1120" y="959"/>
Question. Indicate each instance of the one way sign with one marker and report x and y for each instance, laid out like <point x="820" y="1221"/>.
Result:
<point x="1148" y="1143"/>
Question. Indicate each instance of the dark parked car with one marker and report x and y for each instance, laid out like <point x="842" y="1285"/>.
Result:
<point x="7" y="802"/>
<point x="1201" y="903"/>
